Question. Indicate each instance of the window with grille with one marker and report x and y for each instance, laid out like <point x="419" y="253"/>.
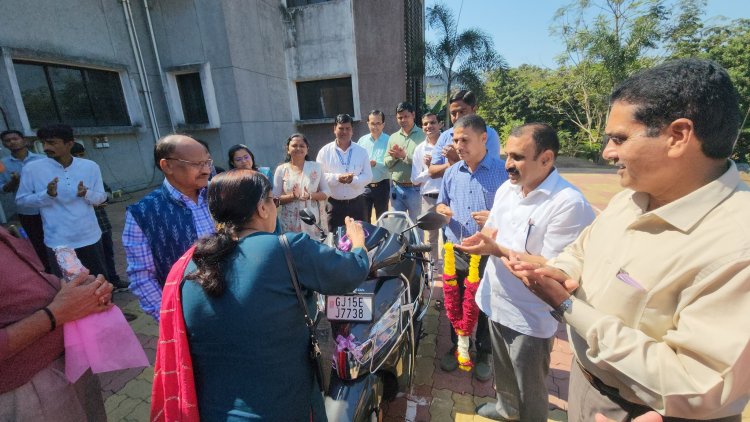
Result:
<point x="77" y="96"/>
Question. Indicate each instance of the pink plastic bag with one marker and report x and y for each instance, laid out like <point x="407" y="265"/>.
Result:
<point x="104" y="342"/>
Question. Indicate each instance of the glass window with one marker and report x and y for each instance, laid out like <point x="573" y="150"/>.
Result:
<point x="325" y="99"/>
<point x="295" y="3"/>
<point x="71" y="95"/>
<point x="191" y="97"/>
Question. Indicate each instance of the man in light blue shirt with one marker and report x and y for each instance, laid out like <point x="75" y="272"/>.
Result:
<point x="376" y="143"/>
<point x="10" y="179"/>
<point x="462" y="103"/>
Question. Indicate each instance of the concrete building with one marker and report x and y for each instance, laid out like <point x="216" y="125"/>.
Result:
<point x="125" y="72"/>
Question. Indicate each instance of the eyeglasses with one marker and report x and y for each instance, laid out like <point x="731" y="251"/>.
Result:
<point x="276" y="201"/>
<point x="194" y="164"/>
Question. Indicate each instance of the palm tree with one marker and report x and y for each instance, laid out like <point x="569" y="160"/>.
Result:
<point x="459" y="57"/>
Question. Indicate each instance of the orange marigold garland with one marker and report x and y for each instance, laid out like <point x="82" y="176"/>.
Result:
<point x="462" y="312"/>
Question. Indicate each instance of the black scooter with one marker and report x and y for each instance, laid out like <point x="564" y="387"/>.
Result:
<point x="376" y="328"/>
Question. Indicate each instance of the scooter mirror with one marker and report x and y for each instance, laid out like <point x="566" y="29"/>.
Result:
<point x="307" y="217"/>
<point x="430" y="220"/>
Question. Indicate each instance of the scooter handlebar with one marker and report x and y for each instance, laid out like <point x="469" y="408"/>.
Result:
<point x="421" y="248"/>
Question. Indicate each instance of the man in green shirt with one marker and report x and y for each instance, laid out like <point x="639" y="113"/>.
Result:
<point x="378" y="190"/>
<point x="398" y="159"/>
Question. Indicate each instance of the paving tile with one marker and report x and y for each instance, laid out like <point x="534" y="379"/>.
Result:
<point x="442" y="405"/>
<point x="463" y="403"/>
<point x="424" y="369"/>
<point x="483" y="389"/>
<point x="557" y="415"/>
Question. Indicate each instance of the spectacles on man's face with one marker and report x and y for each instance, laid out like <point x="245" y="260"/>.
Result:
<point x="276" y="201"/>
<point x="194" y="164"/>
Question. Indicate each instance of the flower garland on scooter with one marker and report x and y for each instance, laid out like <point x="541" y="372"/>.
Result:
<point x="462" y="312"/>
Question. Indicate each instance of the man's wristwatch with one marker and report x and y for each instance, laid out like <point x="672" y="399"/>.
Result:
<point x="559" y="312"/>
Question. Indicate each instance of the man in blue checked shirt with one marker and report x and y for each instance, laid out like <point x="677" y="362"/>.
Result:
<point x="164" y="224"/>
<point x="466" y="196"/>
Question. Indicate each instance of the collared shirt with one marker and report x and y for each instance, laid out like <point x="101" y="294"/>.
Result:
<point x="542" y="223"/>
<point x="446" y="138"/>
<point x="141" y="268"/>
<point x="401" y="168"/>
<point x="376" y="150"/>
<point x="419" y="170"/>
<point x="662" y="309"/>
<point x="336" y="161"/>
<point x="14" y="165"/>
<point x="67" y="219"/>
<point x="466" y="192"/>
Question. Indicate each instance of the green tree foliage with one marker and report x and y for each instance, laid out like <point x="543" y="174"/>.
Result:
<point x="605" y="42"/>
<point x="459" y="57"/>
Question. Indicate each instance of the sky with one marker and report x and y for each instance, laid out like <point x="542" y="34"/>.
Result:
<point x="520" y="28"/>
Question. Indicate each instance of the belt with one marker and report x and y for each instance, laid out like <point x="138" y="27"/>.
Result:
<point x="345" y="200"/>
<point x="374" y="185"/>
<point x="433" y="195"/>
<point x="635" y="409"/>
<point x="404" y="184"/>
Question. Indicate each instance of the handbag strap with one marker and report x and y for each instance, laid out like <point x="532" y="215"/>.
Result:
<point x="295" y="282"/>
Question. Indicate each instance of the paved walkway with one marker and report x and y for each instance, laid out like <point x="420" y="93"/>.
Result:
<point x="435" y="395"/>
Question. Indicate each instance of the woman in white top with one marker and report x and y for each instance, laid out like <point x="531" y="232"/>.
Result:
<point x="299" y="183"/>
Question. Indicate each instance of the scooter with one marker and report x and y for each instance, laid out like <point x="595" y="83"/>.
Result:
<point x="377" y="327"/>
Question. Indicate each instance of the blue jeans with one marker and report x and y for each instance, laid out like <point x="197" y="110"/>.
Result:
<point x="406" y="198"/>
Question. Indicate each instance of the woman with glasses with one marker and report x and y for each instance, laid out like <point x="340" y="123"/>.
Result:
<point x="299" y="184"/>
<point x="240" y="157"/>
<point x="241" y="352"/>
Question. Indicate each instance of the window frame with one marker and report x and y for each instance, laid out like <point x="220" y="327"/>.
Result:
<point x="294" y="96"/>
<point x="130" y="96"/>
<point x="174" y="99"/>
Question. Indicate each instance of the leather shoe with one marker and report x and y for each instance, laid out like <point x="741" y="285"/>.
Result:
<point x="489" y="411"/>
<point x="483" y="369"/>
<point x="449" y="362"/>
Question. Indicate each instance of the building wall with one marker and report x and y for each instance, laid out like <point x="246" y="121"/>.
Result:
<point x="252" y="50"/>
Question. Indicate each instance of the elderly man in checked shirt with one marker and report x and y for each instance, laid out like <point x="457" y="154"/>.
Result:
<point x="466" y="195"/>
<point x="164" y="224"/>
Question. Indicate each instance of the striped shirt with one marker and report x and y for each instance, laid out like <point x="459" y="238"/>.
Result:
<point x="466" y="192"/>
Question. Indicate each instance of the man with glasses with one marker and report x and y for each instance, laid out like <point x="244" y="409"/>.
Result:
<point x="537" y="214"/>
<point x="165" y="223"/>
<point x="656" y="291"/>
<point x="65" y="190"/>
<point x="346" y="167"/>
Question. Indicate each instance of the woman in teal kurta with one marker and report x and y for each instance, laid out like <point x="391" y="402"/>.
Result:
<point x="246" y="331"/>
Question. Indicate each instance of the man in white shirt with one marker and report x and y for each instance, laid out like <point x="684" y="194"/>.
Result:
<point x="536" y="213"/>
<point x="429" y="188"/>
<point x="65" y="189"/>
<point x="378" y="191"/>
<point x="346" y="167"/>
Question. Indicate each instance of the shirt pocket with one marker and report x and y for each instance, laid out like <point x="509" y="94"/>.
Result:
<point x="620" y="299"/>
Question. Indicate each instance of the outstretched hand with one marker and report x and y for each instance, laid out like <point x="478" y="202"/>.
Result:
<point x="550" y="284"/>
<point x="481" y="244"/>
<point x="355" y="232"/>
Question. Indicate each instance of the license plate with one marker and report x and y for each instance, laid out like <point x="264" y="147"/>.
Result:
<point x="349" y="308"/>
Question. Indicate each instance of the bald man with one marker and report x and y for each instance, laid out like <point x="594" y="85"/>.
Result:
<point x="164" y="224"/>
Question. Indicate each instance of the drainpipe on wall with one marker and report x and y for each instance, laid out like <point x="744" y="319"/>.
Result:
<point x="135" y="45"/>
<point x="158" y="63"/>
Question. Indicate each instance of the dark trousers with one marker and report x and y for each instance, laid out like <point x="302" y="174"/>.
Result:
<point x="91" y="256"/>
<point x="376" y="196"/>
<point x="32" y="224"/>
<point x="354" y="208"/>
<point x="108" y="249"/>
<point x="482" y="343"/>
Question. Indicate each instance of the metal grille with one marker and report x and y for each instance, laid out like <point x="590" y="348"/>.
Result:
<point x="414" y="52"/>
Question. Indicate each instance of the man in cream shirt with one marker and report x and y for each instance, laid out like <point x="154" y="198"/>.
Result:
<point x="659" y="320"/>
